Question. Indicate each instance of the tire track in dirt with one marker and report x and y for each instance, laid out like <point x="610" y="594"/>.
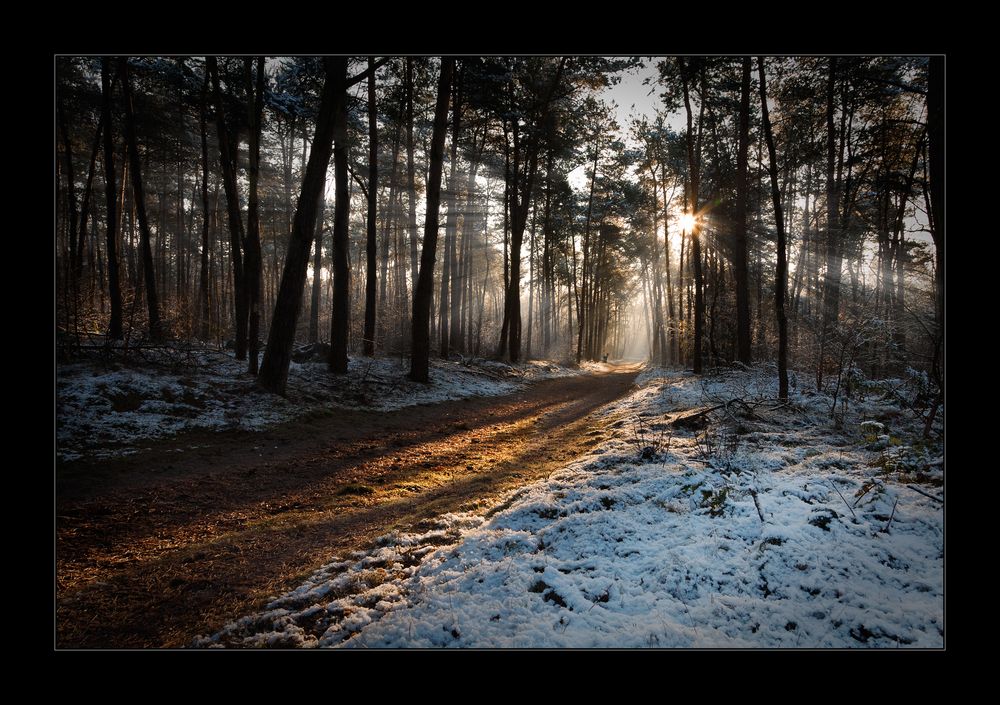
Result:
<point x="155" y="548"/>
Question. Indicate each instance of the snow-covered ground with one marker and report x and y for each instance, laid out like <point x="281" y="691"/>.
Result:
<point x="108" y="409"/>
<point x="774" y="526"/>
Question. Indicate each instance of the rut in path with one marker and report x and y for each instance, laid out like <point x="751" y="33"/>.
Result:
<point x="155" y="548"/>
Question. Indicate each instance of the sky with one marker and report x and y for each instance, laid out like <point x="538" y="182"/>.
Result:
<point x="632" y="96"/>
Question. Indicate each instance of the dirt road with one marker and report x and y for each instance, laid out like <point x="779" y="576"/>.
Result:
<point x="155" y="548"/>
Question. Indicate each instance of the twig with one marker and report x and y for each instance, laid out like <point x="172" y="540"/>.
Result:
<point x="886" y="529"/>
<point x="753" y="493"/>
<point x="845" y="502"/>
<point x="868" y="489"/>
<point x="925" y="494"/>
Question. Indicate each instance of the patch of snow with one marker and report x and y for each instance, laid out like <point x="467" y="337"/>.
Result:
<point x="775" y="527"/>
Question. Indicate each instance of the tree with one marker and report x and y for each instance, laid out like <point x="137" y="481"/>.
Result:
<point x="255" y="109"/>
<point x="420" y="361"/>
<point x="781" y="271"/>
<point x="205" y="283"/>
<point x="834" y="253"/>
<point x="936" y="132"/>
<point x="278" y="355"/>
<point x="694" y="177"/>
<point x="340" y="320"/>
<point x="227" y="148"/>
<point x="740" y="241"/>
<point x="521" y="186"/>
<point x="135" y="167"/>
<point x="110" y="199"/>
<point x="371" y="251"/>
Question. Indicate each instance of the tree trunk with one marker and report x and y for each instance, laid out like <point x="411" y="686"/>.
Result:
<point x="411" y="172"/>
<point x="278" y="354"/>
<point x="694" y="165"/>
<point x="582" y="315"/>
<point x="74" y="218"/>
<point x="317" y="265"/>
<point x="834" y="256"/>
<point x="372" y="243"/>
<point x="139" y="197"/>
<point x="419" y="364"/>
<point x="255" y="89"/>
<point x="391" y="210"/>
<point x="743" y="338"/>
<point x="455" y="203"/>
<point x="781" y="270"/>
<point x="203" y="296"/>
<point x="228" y="161"/>
<point x="340" y="320"/>
<point x="936" y="156"/>
<point x="673" y="344"/>
<point x="531" y="282"/>
<point x="111" y="200"/>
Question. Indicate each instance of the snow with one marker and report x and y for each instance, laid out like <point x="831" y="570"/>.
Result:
<point x="104" y="410"/>
<point x="655" y="540"/>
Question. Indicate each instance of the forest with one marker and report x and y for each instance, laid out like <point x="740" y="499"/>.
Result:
<point x="491" y="278"/>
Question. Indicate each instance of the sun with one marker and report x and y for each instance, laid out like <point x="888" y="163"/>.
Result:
<point x="687" y="222"/>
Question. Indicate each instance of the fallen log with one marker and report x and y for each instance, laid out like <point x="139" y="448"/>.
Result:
<point x="694" y="418"/>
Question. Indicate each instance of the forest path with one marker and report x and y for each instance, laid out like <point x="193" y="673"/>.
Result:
<point x="155" y="548"/>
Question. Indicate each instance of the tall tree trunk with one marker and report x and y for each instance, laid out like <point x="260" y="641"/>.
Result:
<point x="419" y="363"/>
<point x="278" y="354"/>
<point x="694" y="166"/>
<point x="673" y="344"/>
<point x="449" y="254"/>
<point x="507" y="187"/>
<point x="139" y="197"/>
<point x="582" y="315"/>
<point x="203" y="297"/>
<point x="228" y="160"/>
<point x="411" y="172"/>
<point x="255" y="89"/>
<point x="781" y="270"/>
<point x="372" y="243"/>
<point x="449" y="273"/>
<point x="111" y="200"/>
<point x="531" y="281"/>
<point x="74" y="218"/>
<point x="341" y="318"/>
<point x="77" y="257"/>
<point x="456" y="202"/>
<point x="743" y="337"/>
<point x="391" y="210"/>
<point x="936" y="156"/>
<point x="317" y="265"/>
<point x="834" y="256"/>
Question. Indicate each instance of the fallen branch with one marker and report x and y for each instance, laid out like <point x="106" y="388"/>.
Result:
<point x="845" y="502"/>
<point x="869" y="488"/>
<point x="925" y="494"/>
<point x="886" y="529"/>
<point x="692" y="418"/>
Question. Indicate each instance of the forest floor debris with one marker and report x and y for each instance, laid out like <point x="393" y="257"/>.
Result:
<point x="107" y="407"/>
<point x="773" y="525"/>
